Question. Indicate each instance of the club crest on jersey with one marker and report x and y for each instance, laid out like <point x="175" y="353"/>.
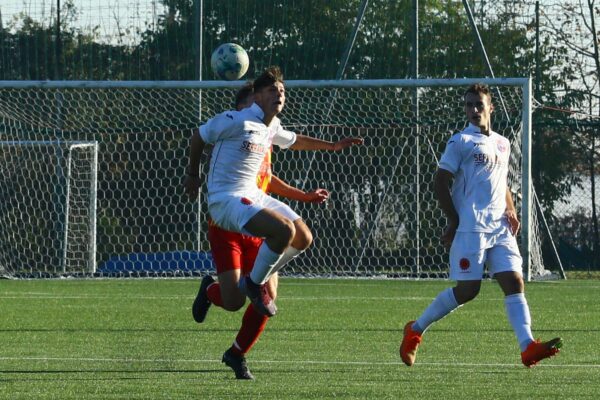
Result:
<point x="245" y="201"/>
<point x="502" y="147"/>
<point x="464" y="263"/>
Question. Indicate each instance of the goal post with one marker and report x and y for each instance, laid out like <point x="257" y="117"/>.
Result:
<point x="380" y="221"/>
<point x="48" y="211"/>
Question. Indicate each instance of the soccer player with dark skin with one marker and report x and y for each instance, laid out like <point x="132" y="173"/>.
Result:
<point x="481" y="229"/>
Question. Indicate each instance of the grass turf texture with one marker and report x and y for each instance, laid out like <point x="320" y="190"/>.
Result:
<point x="136" y="339"/>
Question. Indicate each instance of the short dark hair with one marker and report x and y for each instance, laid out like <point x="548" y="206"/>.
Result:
<point x="270" y="75"/>
<point x="479" y="88"/>
<point x="243" y="93"/>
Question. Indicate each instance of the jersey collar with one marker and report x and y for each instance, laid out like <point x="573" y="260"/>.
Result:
<point x="260" y="114"/>
<point x="475" y="129"/>
<point x="256" y="110"/>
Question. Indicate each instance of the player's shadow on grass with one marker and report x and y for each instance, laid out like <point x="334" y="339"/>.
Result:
<point x="114" y="330"/>
<point x="28" y="375"/>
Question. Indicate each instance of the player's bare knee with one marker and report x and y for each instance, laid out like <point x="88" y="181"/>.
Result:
<point x="466" y="293"/>
<point x="233" y="303"/>
<point x="287" y="231"/>
<point x="303" y="239"/>
<point x="510" y="282"/>
<point x="233" y="300"/>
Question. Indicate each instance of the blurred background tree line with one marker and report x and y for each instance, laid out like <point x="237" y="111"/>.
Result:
<point x="555" y="42"/>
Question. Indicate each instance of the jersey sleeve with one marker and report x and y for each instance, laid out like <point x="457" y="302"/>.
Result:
<point x="284" y="138"/>
<point x="451" y="158"/>
<point x="218" y="127"/>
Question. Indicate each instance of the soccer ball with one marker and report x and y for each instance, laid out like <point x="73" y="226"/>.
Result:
<point x="229" y="61"/>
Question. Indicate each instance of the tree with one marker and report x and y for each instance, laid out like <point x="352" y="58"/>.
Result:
<point x="577" y="33"/>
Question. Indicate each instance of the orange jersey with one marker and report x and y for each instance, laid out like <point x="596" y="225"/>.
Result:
<point x="265" y="173"/>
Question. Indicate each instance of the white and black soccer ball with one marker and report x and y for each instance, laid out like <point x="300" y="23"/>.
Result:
<point x="229" y="61"/>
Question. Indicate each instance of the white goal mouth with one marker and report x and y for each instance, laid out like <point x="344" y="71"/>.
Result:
<point x="48" y="211"/>
<point x="105" y="197"/>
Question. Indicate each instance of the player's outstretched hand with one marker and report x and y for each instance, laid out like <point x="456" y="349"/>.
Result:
<point x="317" y="196"/>
<point x="191" y="185"/>
<point x="513" y="221"/>
<point x="347" y="142"/>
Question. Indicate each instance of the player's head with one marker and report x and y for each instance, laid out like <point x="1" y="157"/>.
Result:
<point x="269" y="91"/>
<point x="245" y="96"/>
<point x="478" y="106"/>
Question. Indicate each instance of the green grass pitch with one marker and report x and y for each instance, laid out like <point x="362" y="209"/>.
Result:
<point x="136" y="339"/>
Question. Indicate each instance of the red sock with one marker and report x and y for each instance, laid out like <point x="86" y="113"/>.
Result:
<point x="213" y="292"/>
<point x="253" y="323"/>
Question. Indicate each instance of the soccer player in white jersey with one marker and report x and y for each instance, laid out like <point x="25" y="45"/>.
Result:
<point x="241" y="140"/>
<point x="234" y="255"/>
<point x="481" y="228"/>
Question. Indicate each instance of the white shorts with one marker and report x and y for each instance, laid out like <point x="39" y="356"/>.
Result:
<point x="232" y="212"/>
<point x="471" y="250"/>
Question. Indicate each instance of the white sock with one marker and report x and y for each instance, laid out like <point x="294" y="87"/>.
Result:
<point x="265" y="261"/>
<point x="442" y="305"/>
<point x="288" y="255"/>
<point x="517" y="311"/>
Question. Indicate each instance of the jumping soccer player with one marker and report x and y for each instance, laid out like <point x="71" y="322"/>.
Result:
<point x="234" y="254"/>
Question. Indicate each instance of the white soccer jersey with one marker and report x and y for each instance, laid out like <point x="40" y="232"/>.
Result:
<point x="479" y="164"/>
<point x="241" y="140"/>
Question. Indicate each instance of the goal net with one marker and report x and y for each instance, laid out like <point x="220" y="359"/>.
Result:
<point x="381" y="220"/>
<point x="47" y="207"/>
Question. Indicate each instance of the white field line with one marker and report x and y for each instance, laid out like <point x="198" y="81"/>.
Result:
<point x="188" y="297"/>
<point x="294" y="362"/>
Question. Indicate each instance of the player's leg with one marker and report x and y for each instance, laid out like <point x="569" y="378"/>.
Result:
<point x="274" y="223"/>
<point x="231" y="297"/>
<point x="301" y="237"/>
<point x="261" y="216"/>
<point x="506" y="265"/>
<point x="302" y="240"/>
<point x="467" y="257"/>
<point x="234" y="255"/>
<point x="253" y="324"/>
<point x="278" y="232"/>
<point x="444" y="303"/>
<point x="226" y="248"/>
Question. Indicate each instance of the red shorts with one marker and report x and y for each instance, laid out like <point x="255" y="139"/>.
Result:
<point x="232" y="250"/>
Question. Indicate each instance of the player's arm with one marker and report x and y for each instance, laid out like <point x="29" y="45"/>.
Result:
<point x="192" y="179"/>
<point x="511" y="213"/>
<point x="283" y="189"/>
<point x="441" y="187"/>
<point x="304" y="142"/>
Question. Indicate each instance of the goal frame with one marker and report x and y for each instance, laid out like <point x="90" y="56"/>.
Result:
<point x="523" y="83"/>
<point x="70" y="146"/>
